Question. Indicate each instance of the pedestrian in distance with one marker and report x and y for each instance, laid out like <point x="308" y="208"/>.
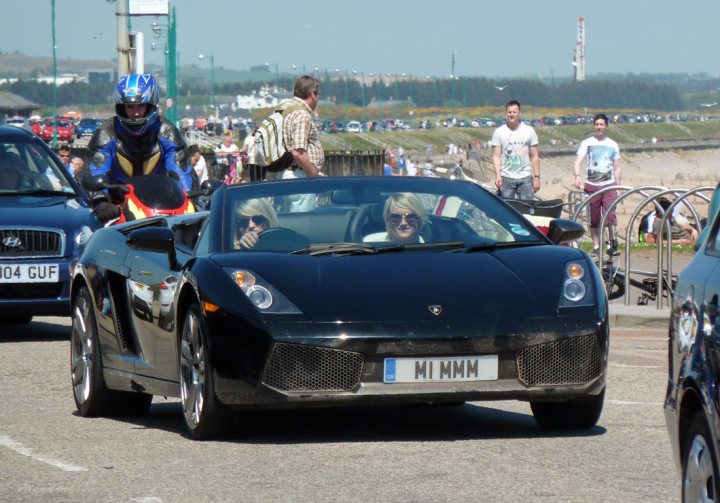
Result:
<point x="601" y="157"/>
<point x="300" y="135"/>
<point x="515" y="156"/>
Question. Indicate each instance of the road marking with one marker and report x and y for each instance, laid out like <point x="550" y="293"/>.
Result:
<point x="26" y="451"/>
<point x="637" y="366"/>
<point x="625" y="402"/>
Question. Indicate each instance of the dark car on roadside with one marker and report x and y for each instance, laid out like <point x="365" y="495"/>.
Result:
<point x="692" y="406"/>
<point x="87" y="126"/>
<point x="45" y="221"/>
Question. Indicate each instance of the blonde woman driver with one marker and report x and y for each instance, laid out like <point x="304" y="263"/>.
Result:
<point x="404" y="217"/>
<point x="252" y="217"/>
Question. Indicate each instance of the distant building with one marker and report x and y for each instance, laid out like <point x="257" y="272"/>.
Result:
<point x="265" y="98"/>
<point x="12" y="104"/>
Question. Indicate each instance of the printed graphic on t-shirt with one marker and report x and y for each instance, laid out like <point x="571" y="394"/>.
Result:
<point x="516" y="155"/>
<point x="600" y="163"/>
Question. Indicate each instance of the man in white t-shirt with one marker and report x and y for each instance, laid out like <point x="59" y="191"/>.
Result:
<point x="197" y="161"/>
<point x="602" y="169"/>
<point x="515" y="156"/>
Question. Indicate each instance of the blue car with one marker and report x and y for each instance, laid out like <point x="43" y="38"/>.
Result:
<point x="45" y="221"/>
<point x="86" y="127"/>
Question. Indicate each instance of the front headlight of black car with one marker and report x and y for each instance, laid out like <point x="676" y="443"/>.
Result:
<point x="577" y="287"/>
<point x="266" y="298"/>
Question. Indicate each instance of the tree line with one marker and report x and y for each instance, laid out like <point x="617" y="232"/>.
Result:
<point x="423" y="93"/>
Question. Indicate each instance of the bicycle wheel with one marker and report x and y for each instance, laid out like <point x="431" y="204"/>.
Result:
<point x="614" y="285"/>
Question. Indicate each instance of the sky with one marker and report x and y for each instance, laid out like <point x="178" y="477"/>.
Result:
<point x="511" y="38"/>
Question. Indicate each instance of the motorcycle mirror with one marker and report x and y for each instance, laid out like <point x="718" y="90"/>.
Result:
<point x="209" y="186"/>
<point x="94" y="183"/>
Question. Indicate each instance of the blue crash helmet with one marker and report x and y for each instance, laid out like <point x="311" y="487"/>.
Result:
<point x="137" y="89"/>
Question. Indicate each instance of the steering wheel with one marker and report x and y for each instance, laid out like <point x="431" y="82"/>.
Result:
<point x="355" y="227"/>
<point x="280" y="239"/>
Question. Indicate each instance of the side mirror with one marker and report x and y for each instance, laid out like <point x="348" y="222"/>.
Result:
<point x="562" y="231"/>
<point x="154" y="239"/>
<point x="94" y="183"/>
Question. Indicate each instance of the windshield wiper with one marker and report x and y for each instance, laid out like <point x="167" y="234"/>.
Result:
<point x="495" y="246"/>
<point x="346" y="249"/>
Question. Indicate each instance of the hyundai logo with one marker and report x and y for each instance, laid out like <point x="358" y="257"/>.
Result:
<point x="435" y="309"/>
<point x="12" y="242"/>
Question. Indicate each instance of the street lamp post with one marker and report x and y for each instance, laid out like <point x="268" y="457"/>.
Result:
<point x="171" y="55"/>
<point x="212" y="80"/>
<point x="55" y="104"/>
<point x="362" y="92"/>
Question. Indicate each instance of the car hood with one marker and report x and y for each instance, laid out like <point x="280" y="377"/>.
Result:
<point x="412" y="287"/>
<point x="67" y="213"/>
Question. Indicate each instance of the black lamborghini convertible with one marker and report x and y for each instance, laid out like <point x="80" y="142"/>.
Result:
<point x="339" y="291"/>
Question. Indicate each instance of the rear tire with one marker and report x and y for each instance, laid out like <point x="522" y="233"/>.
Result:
<point x="699" y="466"/>
<point x="205" y="416"/>
<point x="92" y="396"/>
<point x="571" y="415"/>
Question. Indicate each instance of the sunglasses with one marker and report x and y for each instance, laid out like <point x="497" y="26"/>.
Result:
<point x="397" y="218"/>
<point x="259" y="220"/>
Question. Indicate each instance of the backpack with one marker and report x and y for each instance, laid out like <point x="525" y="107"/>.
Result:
<point x="271" y="151"/>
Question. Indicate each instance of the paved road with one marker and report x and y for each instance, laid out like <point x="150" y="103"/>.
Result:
<point x="477" y="452"/>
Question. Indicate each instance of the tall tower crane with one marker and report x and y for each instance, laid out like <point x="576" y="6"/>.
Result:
<point x="579" y="53"/>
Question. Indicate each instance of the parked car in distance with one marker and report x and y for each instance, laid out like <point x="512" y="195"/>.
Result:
<point x="65" y="130"/>
<point x="691" y="403"/>
<point x="87" y="126"/>
<point x="45" y="221"/>
<point x="20" y="122"/>
<point x="353" y="127"/>
<point x="404" y="290"/>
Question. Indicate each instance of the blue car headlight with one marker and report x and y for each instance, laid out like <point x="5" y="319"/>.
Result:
<point x="83" y="235"/>
<point x="261" y="294"/>
<point x="577" y="286"/>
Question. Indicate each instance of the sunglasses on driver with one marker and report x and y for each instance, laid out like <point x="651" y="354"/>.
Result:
<point x="258" y="220"/>
<point x="397" y="218"/>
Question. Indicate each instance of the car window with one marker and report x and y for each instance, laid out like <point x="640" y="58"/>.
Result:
<point x="36" y="168"/>
<point x="382" y="217"/>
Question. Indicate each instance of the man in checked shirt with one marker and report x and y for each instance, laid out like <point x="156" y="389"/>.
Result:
<point x="299" y="132"/>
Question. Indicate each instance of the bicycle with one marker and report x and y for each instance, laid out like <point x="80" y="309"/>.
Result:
<point x="614" y="279"/>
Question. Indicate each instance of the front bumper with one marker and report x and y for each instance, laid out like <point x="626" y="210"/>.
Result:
<point x="38" y="299"/>
<point x="246" y="362"/>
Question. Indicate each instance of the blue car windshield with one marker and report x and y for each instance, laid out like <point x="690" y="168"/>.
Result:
<point x="27" y="166"/>
<point x="380" y="212"/>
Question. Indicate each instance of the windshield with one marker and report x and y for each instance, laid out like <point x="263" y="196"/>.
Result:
<point x="380" y="212"/>
<point x="159" y="192"/>
<point x="26" y="167"/>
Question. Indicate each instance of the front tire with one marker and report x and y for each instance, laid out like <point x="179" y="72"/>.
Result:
<point x="205" y="416"/>
<point x="699" y="466"/>
<point x="571" y="415"/>
<point x="92" y="396"/>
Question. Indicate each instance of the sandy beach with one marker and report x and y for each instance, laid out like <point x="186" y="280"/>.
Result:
<point x="681" y="169"/>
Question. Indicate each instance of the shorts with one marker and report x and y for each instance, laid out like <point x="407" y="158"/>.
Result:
<point x="599" y="206"/>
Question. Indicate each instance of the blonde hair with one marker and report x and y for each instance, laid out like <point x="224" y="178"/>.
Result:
<point x="252" y="207"/>
<point x="406" y="201"/>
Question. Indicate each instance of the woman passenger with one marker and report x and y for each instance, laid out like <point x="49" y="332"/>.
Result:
<point x="405" y="218"/>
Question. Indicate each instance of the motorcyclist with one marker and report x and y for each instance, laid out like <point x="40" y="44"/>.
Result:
<point x="136" y="141"/>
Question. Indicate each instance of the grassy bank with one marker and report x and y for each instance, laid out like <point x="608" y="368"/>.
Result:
<point x="418" y="140"/>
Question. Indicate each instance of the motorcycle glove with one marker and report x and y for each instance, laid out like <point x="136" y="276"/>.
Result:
<point x="106" y="211"/>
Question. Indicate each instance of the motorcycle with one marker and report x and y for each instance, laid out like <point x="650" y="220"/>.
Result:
<point x="151" y="195"/>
